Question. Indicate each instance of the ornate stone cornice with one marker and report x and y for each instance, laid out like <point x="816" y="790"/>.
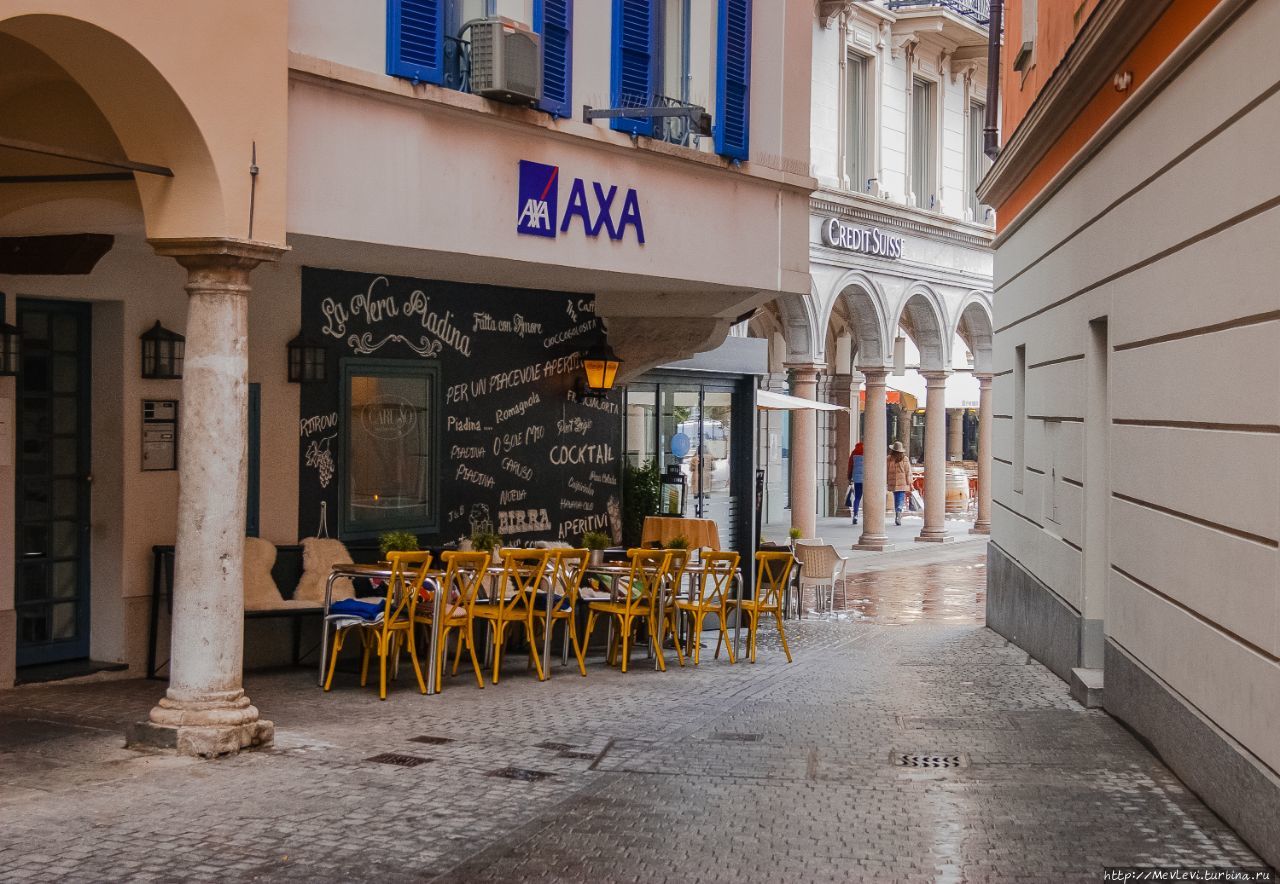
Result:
<point x="830" y="9"/>
<point x="898" y="220"/>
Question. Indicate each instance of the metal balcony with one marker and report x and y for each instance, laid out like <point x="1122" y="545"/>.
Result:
<point x="977" y="11"/>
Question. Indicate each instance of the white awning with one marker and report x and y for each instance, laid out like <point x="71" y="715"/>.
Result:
<point x="771" y="401"/>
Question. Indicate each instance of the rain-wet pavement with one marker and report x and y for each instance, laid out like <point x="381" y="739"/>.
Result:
<point x="749" y="772"/>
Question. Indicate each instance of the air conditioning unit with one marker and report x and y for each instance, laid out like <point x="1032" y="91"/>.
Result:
<point x="506" y="61"/>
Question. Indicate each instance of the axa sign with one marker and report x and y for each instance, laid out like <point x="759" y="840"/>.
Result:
<point x="597" y="207"/>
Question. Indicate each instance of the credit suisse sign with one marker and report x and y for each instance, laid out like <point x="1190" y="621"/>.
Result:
<point x="867" y="240"/>
<point x="597" y="209"/>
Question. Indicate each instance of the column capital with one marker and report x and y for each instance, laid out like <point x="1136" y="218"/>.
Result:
<point x="200" y="251"/>
<point x="804" y="371"/>
<point x="984" y="378"/>
<point x="874" y="373"/>
<point x="935" y="377"/>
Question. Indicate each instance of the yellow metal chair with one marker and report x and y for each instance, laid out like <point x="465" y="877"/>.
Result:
<point x="460" y="582"/>
<point x="648" y="569"/>
<point x="394" y="626"/>
<point x="772" y="571"/>
<point x="712" y="595"/>
<point x="673" y="587"/>
<point x="512" y="601"/>
<point x="566" y="580"/>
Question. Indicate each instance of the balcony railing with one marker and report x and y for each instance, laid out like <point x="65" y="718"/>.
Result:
<point x="977" y="11"/>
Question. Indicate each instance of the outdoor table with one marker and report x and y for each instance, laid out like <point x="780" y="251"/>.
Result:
<point x="699" y="532"/>
<point x="692" y="568"/>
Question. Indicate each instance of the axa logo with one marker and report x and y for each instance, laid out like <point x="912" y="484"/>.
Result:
<point x="538" y="211"/>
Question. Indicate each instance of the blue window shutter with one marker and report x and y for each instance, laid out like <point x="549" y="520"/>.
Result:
<point x="553" y="20"/>
<point x="631" y="74"/>
<point x="733" y="79"/>
<point x="415" y="40"/>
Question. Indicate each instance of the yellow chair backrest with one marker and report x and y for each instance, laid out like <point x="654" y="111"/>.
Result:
<point x="464" y="573"/>
<point x="408" y="570"/>
<point x="571" y="565"/>
<point x="772" y="571"/>
<point x="648" y="570"/>
<point x="522" y="571"/>
<point x="719" y="569"/>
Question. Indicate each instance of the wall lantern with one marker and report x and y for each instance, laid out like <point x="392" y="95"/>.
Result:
<point x="601" y="366"/>
<point x="307" y="360"/>
<point x="162" y="352"/>
<point x="673" y="488"/>
<point x="10" y="349"/>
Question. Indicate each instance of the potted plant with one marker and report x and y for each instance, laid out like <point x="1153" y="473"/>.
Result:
<point x="678" y="542"/>
<point x="596" y="542"/>
<point x="794" y="534"/>
<point x="396" y="541"/>
<point x="487" y="540"/>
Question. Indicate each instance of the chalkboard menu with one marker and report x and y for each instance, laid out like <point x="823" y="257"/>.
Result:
<point x="510" y="440"/>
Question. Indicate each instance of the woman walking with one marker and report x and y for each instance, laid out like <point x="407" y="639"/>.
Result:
<point x="898" y="470"/>
<point x="855" y="480"/>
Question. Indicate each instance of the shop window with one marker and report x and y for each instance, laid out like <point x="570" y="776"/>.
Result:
<point x="427" y="42"/>
<point x="924" y="138"/>
<point x="390" y="463"/>
<point x="663" y="56"/>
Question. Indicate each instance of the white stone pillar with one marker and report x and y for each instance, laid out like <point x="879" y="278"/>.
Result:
<point x="935" y="458"/>
<point x="804" y="452"/>
<point x="838" y="394"/>
<point x="855" y="408"/>
<point x="205" y="710"/>
<point x="875" y="451"/>
<point x="983" y="523"/>
<point x="955" y="434"/>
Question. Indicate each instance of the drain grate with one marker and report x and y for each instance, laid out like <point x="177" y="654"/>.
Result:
<point x="557" y="747"/>
<point x="738" y="738"/>
<point x="523" y="774"/>
<point x="910" y="759"/>
<point x="585" y="756"/>
<point x="431" y="741"/>
<point x="398" y="759"/>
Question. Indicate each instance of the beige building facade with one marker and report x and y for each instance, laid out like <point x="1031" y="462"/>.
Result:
<point x="1135" y="544"/>
<point x="301" y="181"/>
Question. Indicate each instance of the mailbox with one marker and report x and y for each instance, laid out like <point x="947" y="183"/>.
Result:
<point x="159" y="434"/>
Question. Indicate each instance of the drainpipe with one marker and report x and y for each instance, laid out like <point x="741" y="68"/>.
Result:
<point x="990" y="130"/>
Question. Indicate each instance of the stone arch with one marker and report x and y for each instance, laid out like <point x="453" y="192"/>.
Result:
<point x="924" y="317"/>
<point x="800" y="328"/>
<point x="147" y="119"/>
<point x="864" y="303"/>
<point x="974" y="327"/>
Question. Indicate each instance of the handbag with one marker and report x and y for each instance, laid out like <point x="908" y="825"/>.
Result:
<point x="848" y="496"/>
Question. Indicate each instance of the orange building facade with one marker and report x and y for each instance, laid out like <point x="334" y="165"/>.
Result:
<point x="1136" y="468"/>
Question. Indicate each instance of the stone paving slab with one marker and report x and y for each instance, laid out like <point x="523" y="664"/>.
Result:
<point x="764" y="772"/>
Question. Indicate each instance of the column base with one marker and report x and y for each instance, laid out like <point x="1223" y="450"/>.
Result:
<point x="980" y="528"/>
<point x="935" y="538"/>
<point x="205" y="742"/>
<point x="874" y="544"/>
<point x="207" y="725"/>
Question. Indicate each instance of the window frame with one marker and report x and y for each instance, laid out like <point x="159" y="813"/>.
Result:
<point x="396" y="65"/>
<point x="864" y="148"/>
<point x="977" y="162"/>
<point x="392" y="367"/>
<point x="930" y="162"/>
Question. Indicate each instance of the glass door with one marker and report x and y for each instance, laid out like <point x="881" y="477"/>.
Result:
<point x="52" y="507"/>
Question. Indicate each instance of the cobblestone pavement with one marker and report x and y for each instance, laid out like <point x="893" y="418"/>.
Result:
<point x="764" y="772"/>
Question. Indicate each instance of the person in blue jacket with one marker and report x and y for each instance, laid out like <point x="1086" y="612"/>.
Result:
<point x="854" y="499"/>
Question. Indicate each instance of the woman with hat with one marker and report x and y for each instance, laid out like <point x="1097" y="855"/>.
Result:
<point x="898" y="470"/>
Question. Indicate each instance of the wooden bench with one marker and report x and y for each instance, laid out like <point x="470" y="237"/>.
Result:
<point x="286" y="573"/>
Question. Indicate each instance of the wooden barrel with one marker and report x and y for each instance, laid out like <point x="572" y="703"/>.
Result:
<point x="957" y="490"/>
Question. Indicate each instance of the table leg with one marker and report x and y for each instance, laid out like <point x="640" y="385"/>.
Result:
<point x="737" y="623"/>
<point x="546" y="633"/>
<point x="324" y="626"/>
<point x="437" y="613"/>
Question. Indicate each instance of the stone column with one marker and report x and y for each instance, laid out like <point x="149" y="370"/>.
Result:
<point x="876" y="448"/>
<point x="205" y="710"/>
<point x="905" y="419"/>
<point x="935" y="458"/>
<point x="983" y="523"/>
<point x="955" y="434"/>
<point x="804" y="452"/>
<point x="855" y="408"/>
<point x="839" y="395"/>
